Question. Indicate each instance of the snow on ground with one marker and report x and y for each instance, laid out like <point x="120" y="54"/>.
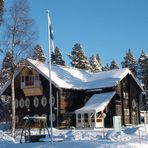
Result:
<point x="131" y="137"/>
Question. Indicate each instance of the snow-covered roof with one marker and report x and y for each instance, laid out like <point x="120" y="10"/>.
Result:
<point x="72" y="78"/>
<point x="96" y="103"/>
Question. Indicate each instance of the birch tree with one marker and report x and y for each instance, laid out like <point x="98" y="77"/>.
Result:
<point x="18" y="39"/>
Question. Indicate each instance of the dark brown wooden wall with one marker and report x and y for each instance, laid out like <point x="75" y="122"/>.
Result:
<point x="67" y="101"/>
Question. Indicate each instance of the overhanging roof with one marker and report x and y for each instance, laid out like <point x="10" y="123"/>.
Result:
<point x="96" y="103"/>
<point x="72" y="78"/>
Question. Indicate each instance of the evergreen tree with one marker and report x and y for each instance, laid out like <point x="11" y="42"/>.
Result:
<point x="78" y="58"/>
<point x="129" y="62"/>
<point x="99" y="60"/>
<point x="113" y="65"/>
<point x="1" y="10"/>
<point x="96" y="67"/>
<point x="7" y="62"/>
<point x="39" y="54"/>
<point x="52" y="57"/>
<point x="106" y="67"/>
<point x="56" y="57"/>
<point x="6" y="69"/>
<point x="143" y="69"/>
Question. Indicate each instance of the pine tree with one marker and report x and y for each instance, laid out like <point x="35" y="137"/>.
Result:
<point x="56" y="57"/>
<point x="39" y="54"/>
<point x="99" y="60"/>
<point x="78" y="58"/>
<point x="143" y="69"/>
<point x="1" y="10"/>
<point x="7" y="62"/>
<point x="129" y="62"/>
<point x="114" y="65"/>
<point x="106" y="67"/>
<point x="6" y="69"/>
<point x="7" y="65"/>
<point x="96" y="67"/>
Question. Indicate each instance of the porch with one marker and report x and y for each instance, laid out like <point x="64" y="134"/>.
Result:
<point x="92" y="114"/>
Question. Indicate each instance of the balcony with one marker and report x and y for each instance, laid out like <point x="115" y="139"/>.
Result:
<point x="32" y="88"/>
<point x="30" y="84"/>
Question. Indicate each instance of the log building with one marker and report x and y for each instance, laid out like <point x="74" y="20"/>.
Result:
<point x="80" y="98"/>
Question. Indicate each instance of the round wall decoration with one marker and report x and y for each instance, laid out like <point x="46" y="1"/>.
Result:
<point x="21" y="103"/>
<point x="53" y="100"/>
<point x="36" y="102"/>
<point x="27" y="102"/>
<point x="44" y="101"/>
<point x="16" y="103"/>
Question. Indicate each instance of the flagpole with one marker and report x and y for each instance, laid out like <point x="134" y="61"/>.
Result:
<point x="50" y="85"/>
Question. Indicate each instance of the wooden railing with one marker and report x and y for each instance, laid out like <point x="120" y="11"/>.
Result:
<point x="30" y="84"/>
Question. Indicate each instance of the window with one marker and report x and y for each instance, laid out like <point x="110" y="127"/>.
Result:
<point x="85" y="117"/>
<point x="37" y="77"/>
<point x="92" y="117"/>
<point x="29" y="80"/>
<point x="26" y="78"/>
<point x="79" y="117"/>
<point x="98" y="114"/>
<point x="22" y="78"/>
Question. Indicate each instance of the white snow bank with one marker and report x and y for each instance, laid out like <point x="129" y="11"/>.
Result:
<point x="6" y="138"/>
<point x="74" y="135"/>
<point x="113" y="136"/>
<point x="136" y="130"/>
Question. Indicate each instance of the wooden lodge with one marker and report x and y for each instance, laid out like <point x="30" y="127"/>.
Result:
<point x="80" y="98"/>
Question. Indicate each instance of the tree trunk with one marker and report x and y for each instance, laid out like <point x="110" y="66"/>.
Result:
<point x="13" y="106"/>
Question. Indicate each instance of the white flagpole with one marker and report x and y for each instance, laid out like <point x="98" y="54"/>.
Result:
<point x="50" y="85"/>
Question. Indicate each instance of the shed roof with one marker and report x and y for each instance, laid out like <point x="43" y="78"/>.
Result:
<point x="97" y="103"/>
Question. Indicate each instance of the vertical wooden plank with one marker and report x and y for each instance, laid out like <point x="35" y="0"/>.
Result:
<point x="123" y="122"/>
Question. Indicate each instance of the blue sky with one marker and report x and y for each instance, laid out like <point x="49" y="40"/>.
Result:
<point x="106" y="27"/>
